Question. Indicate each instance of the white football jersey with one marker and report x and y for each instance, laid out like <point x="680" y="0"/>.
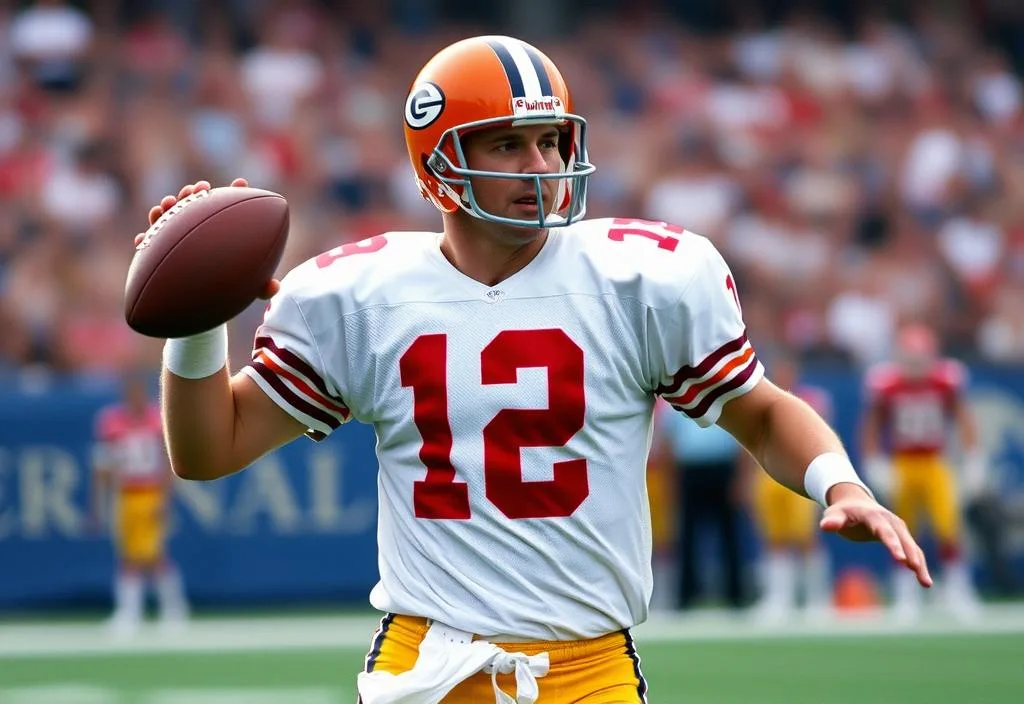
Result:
<point x="513" y="421"/>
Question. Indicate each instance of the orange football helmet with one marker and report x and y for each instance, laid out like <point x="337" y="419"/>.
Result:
<point x="484" y="82"/>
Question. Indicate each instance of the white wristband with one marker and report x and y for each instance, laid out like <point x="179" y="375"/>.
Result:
<point x="825" y="471"/>
<point x="197" y="356"/>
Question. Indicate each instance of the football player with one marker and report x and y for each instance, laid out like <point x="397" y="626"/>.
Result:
<point x="912" y="405"/>
<point x="130" y="466"/>
<point x="793" y="561"/>
<point x="510" y="365"/>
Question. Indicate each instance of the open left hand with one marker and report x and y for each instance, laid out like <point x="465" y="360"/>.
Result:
<point x="855" y="515"/>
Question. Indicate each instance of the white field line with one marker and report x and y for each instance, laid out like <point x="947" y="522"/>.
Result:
<point x="77" y="693"/>
<point x="232" y="635"/>
<point x="270" y="695"/>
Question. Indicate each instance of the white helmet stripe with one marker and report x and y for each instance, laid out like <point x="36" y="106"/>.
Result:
<point x="531" y="81"/>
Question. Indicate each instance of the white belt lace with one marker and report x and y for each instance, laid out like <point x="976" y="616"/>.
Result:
<point x="527" y="669"/>
<point x="447" y="657"/>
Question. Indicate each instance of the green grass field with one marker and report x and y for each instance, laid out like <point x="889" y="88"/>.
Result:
<point x="704" y="659"/>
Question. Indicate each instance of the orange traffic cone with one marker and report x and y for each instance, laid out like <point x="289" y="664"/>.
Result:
<point x="856" y="591"/>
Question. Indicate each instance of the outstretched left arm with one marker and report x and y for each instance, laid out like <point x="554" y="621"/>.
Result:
<point x="788" y="438"/>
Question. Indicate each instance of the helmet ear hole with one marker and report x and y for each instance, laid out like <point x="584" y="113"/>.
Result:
<point x="433" y="188"/>
<point x="429" y="164"/>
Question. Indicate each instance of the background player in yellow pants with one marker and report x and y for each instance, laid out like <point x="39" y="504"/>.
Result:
<point x="130" y="466"/>
<point x="793" y="560"/>
<point x="913" y="403"/>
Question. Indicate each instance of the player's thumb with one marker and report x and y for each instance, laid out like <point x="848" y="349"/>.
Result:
<point x="833" y="520"/>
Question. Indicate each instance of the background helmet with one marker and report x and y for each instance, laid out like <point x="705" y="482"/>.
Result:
<point x="484" y="82"/>
<point x="917" y="347"/>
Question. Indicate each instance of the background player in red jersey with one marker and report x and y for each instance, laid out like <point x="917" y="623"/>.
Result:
<point x="793" y="561"/>
<point x="130" y="467"/>
<point x="913" y="402"/>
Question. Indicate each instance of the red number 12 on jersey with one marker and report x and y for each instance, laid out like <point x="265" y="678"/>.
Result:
<point x="424" y="368"/>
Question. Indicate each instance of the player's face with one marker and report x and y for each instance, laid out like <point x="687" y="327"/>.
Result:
<point x="530" y="149"/>
<point x="916" y="351"/>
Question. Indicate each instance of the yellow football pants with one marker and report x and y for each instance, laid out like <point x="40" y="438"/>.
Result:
<point x="783" y="517"/>
<point x="603" y="670"/>
<point x="924" y="485"/>
<point x="140" y="529"/>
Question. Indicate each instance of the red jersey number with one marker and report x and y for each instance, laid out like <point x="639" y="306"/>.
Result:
<point x="438" y="495"/>
<point x="660" y="232"/>
<point x="373" y="244"/>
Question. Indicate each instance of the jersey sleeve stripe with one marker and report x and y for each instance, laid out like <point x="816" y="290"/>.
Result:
<point x="296" y="363"/>
<point x="721" y="392"/>
<point x="718" y="377"/>
<point x="688" y="373"/>
<point x="301" y="385"/>
<point x="316" y="417"/>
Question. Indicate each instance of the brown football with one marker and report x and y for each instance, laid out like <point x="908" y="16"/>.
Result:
<point x="205" y="260"/>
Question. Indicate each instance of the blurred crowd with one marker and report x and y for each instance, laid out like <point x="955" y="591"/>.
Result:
<point x="855" y="175"/>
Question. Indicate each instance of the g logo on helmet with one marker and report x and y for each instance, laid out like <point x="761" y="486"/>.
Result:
<point x="424" y="105"/>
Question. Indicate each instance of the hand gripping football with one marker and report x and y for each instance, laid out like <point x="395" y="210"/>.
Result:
<point x="205" y="260"/>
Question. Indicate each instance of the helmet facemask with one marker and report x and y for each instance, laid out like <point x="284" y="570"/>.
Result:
<point x="449" y="166"/>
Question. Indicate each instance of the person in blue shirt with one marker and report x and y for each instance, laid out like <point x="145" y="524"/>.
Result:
<point x="706" y="461"/>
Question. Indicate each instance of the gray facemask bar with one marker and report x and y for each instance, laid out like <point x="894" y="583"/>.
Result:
<point x="577" y="177"/>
